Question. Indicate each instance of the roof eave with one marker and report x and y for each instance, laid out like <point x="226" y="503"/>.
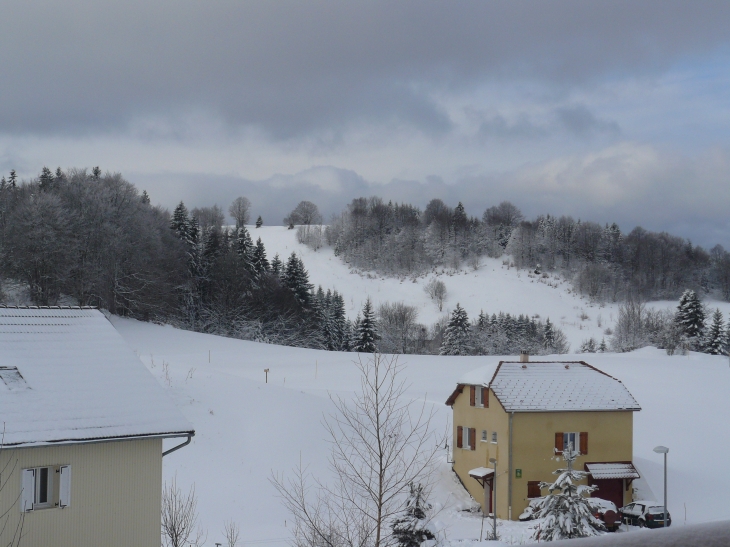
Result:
<point x="93" y="440"/>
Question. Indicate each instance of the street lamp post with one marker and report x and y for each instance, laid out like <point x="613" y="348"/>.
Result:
<point x="494" y="493"/>
<point x="664" y="450"/>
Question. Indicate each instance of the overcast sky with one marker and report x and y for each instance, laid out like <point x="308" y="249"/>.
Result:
<point x="601" y="110"/>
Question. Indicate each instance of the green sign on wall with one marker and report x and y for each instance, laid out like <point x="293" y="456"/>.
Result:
<point x="518" y="473"/>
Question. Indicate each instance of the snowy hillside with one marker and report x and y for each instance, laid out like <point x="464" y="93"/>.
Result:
<point x="247" y="429"/>
<point x="494" y="287"/>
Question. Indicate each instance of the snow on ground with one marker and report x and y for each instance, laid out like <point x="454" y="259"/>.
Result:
<point x="247" y="429"/>
<point x="493" y="288"/>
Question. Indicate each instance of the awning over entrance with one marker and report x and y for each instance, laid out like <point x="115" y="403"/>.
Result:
<point x="601" y="471"/>
<point x="481" y="473"/>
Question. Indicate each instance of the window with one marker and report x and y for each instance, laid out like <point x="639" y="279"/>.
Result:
<point x="571" y="438"/>
<point x="484" y="436"/>
<point x="468" y="441"/>
<point x="45" y="487"/>
<point x="481" y="397"/>
<point x="494" y="437"/>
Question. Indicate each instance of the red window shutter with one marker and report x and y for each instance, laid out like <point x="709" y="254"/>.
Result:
<point x="459" y="436"/>
<point x="583" y="443"/>
<point x="559" y="443"/>
<point x="533" y="489"/>
<point x="485" y="397"/>
<point x="473" y="438"/>
<point x="472" y="395"/>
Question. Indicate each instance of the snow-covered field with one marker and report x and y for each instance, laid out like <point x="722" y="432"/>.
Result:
<point x="247" y="429"/>
<point x="492" y="288"/>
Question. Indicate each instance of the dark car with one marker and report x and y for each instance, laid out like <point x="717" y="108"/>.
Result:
<point x="606" y="511"/>
<point x="649" y="514"/>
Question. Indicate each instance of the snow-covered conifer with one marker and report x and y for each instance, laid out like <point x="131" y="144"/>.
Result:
<point x="180" y="222"/>
<point x="603" y="348"/>
<point x="410" y="527"/>
<point x="259" y="262"/>
<point x="46" y="179"/>
<point x="259" y="222"/>
<point x="716" y="341"/>
<point x="548" y="335"/>
<point x="276" y="266"/>
<point x="367" y="330"/>
<point x="457" y="335"/>
<point x="691" y="317"/>
<point x="297" y="279"/>
<point x="145" y="197"/>
<point x="566" y="513"/>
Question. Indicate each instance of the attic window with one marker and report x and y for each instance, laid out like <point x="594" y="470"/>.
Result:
<point x="12" y="378"/>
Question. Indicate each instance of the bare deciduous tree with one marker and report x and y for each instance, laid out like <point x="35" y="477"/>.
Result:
<point x="305" y="213"/>
<point x="239" y="210"/>
<point x="399" y="327"/>
<point x="180" y="517"/>
<point x="436" y="289"/>
<point x="380" y="443"/>
<point x="231" y="531"/>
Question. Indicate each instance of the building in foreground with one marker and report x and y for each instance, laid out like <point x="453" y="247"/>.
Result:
<point x="84" y="422"/>
<point x="523" y="414"/>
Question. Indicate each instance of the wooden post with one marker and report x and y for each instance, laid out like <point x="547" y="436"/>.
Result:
<point x="266" y="371"/>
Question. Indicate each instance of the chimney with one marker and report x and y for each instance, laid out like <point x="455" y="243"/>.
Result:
<point x="524" y="357"/>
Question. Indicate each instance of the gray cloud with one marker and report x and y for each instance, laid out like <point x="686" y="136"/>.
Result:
<point x="291" y="68"/>
<point x="626" y="183"/>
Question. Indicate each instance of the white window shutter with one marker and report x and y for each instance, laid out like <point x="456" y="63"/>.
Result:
<point x="64" y="487"/>
<point x="27" y="494"/>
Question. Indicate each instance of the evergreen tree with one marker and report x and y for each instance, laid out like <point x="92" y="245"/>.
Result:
<point x="180" y="221"/>
<point x="296" y="279"/>
<point x="13" y="179"/>
<point x="60" y="175"/>
<point x="568" y="513"/>
<point x="340" y="325"/>
<point x="716" y="337"/>
<point x="367" y="330"/>
<point x="259" y="222"/>
<point x="145" y="197"/>
<point x="482" y="320"/>
<point x="46" y="179"/>
<point x="410" y="527"/>
<point x="691" y="318"/>
<point x="603" y="348"/>
<point x="457" y="335"/>
<point x="96" y="172"/>
<point x="259" y="262"/>
<point x="548" y="336"/>
<point x="276" y="265"/>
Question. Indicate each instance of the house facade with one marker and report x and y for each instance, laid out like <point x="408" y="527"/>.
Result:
<point x="519" y="416"/>
<point x="84" y="426"/>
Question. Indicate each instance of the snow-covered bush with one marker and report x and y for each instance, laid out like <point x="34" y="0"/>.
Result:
<point x="410" y="527"/>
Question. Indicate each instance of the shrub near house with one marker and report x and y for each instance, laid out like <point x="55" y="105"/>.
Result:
<point x="523" y="414"/>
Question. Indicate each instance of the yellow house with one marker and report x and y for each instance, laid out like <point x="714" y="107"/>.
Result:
<point x="83" y="427"/>
<point x="518" y="416"/>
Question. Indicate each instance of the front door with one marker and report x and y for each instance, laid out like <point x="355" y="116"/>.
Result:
<point x="488" y="496"/>
<point x="611" y="490"/>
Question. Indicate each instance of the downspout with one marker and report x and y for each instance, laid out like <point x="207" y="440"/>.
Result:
<point x="178" y="447"/>
<point x="509" y="479"/>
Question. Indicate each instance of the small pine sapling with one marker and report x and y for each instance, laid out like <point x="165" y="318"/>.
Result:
<point x="259" y="222"/>
<point x="410" y="528"/>
<point x="566" y="512"/>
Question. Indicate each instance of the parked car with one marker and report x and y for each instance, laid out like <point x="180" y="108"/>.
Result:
<point x="606" y="511"/>
<point x="649" y="514"/>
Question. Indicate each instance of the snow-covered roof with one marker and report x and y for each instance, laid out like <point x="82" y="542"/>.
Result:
<point x="612" y="470"/>
<point x="481" y="472"/>
<point x="68" y="376"/>
<point x="555" y="386"/>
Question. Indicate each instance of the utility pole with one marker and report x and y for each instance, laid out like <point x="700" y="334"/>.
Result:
<point x="494" y="495"/>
